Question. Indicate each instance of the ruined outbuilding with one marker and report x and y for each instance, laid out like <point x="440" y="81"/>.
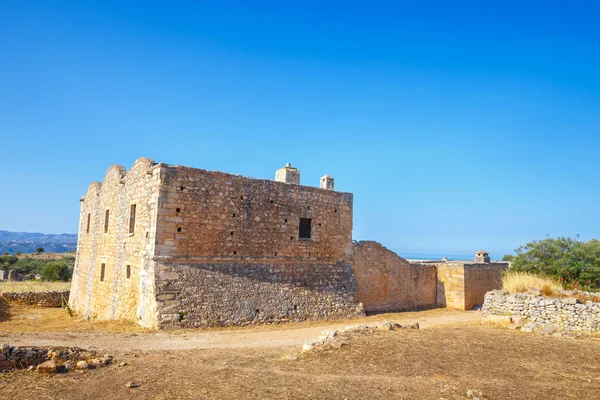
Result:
<point x="171" y="246"/>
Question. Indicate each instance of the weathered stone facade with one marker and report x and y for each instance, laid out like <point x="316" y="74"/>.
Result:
<point x="387" y="282"/>
<point x="463" y="285"/>
<point x="170" y="246"/>
<point x="210" y="248"/>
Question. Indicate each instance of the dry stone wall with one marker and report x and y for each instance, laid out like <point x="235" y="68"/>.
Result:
<point x="55" y="298"/>
<point x="387" y="282"/>
<point x="539" y="312"/>
<point x="229" y="293"/>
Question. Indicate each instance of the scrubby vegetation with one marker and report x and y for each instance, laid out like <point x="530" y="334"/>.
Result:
<point x="574" y="263"/>
<point x="53" y="270"/>
<point x="515" y="282"/>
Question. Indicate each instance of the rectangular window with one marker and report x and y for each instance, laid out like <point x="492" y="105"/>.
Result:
<point x="132" y="219"/>
<point x="102" y="268"/>
<point x="87" y="229"/>
<point x="106" y="221"/>
<point x="128" y="271"/>
<point x="305" y="228"/>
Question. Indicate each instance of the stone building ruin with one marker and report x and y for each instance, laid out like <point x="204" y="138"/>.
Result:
<point x="171" y="246"/>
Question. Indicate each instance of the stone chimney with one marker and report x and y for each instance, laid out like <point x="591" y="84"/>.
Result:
<point x="481" y="256"/>
<point x="288" y="174"/>
<point x="327" y="182"/>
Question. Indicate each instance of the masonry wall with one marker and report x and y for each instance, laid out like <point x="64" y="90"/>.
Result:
<point x="560" y="313"/>
<point x="224" y="215"/>
<point x="230" y="251"/>
<point x="480" y="279"/>
<point x="451" y="285"/>
<point x="228" y="293"/>
<point x="51" y="298"/>
<point x="462" y="286"/>
<point x="117" y="295"/>
<point x="387" y="282"/>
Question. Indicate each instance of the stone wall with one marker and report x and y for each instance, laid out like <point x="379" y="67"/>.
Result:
<point x="232" y="293"/>
<point x="481" y="278"/>
<point x="451" y="285"/>
<point x="231" y="252"/>
<point x="61" y="359"/>
<point x="549" y="314"/>
<point x="462" y="286"/>
<point x="124" y="287"/>
<point x="207" y="214"/>
<point x="21" y="357"/>
<point x="387" y="282"/>
<point x="55" y="298"/>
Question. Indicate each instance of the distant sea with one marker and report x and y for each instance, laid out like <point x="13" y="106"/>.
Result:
<point x="431" y="256"/>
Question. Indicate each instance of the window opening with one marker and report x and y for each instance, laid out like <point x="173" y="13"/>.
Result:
<point x="305" y="228"/>
<point x="132" y="219"/>
<point x="106" y="216"/>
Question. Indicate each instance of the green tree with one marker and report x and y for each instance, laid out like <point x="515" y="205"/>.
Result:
<point x="572" y="261"/>
<point x="39" y="250"/>
<point x="56" y="271"/>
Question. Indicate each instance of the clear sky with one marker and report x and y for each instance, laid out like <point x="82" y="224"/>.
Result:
<point x="457" y="125"/>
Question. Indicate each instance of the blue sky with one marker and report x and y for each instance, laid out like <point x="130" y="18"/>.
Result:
<point x="457" y="125"/>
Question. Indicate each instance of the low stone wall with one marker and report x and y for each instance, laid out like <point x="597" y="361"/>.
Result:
<point x="533" y="312"/>
<point x="55" y="298"/>
<point x="21" y="357"/>
<point x="62" y="359"/>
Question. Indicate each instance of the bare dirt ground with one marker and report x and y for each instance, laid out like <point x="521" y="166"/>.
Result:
<point x="453" y="353"/>
<point x="44" y="327"/>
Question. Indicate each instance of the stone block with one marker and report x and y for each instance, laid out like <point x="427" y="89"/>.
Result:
<point x="498" y="319"/>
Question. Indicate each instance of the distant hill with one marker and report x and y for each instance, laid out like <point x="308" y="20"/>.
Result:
<point x="27" y="242"/>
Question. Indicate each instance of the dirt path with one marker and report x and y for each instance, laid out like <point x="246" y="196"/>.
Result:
<point x="252" y="337"/>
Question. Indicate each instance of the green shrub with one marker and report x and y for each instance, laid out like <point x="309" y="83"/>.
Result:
<point x="571" y="261"/>
<point x="56" y="271"/>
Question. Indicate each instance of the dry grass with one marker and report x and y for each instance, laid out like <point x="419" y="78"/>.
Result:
<point x="21" y="318"/>
<point x="33" y="286"/>
<point x="516" y="282"/>
<point x="438" y="363"/>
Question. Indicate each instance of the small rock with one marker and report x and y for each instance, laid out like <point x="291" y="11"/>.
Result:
<point x="96" y="362"/>
<point x="469" y="393"/>
<point x="571" y="336"/>
<point x="308" y="346"/>
<point x="47" y="367"/>
<point x="326" y="334"/>
<point x="123" y="364"/>
<point x="82" y="365"/>
<point x="131" y="384"/>
<point x="549" y="329"/>
<point x="414" y="325"/>
<point x="68" y="366"/>
<point x="337" y="345"/>
<point x="528" y="328"/>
